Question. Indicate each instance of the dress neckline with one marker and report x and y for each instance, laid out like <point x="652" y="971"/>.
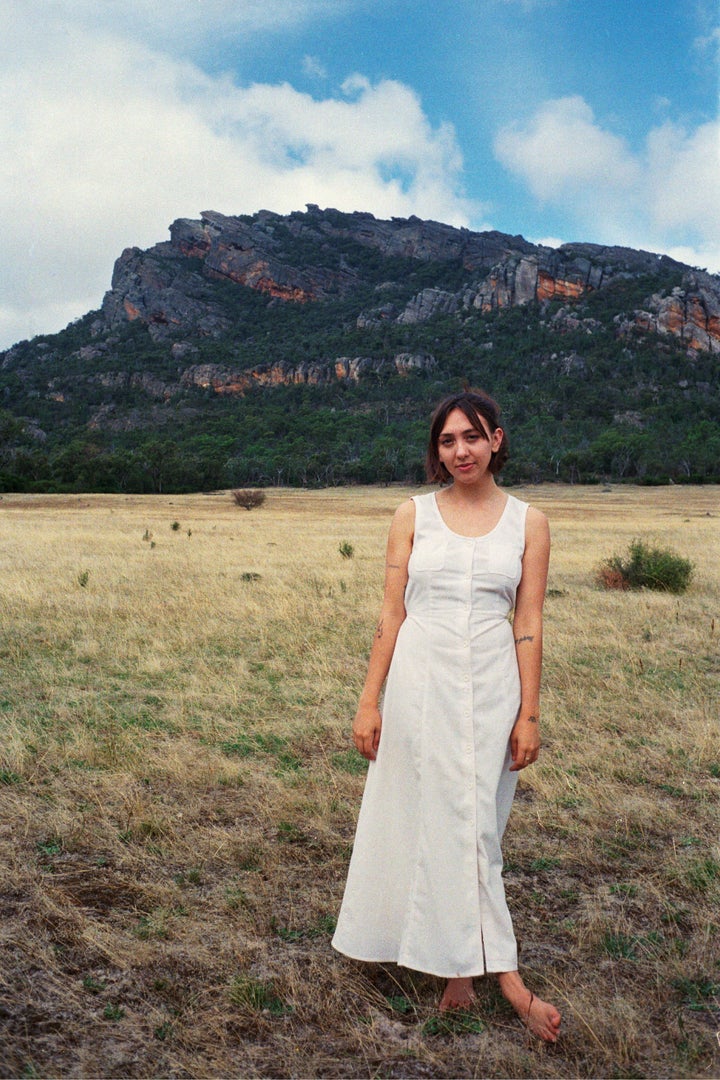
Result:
<point x="462" y="536"/>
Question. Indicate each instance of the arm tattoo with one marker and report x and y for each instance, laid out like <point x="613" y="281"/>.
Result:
<point x="527" y="637"/>
<point x="532" y="719"/>
<point x="379" y="631"/>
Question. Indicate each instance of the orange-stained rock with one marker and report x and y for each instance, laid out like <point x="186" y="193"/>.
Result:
<point x="283" y="292"/>
<point x="550" y="288"/>
<point x="690" y="313"/>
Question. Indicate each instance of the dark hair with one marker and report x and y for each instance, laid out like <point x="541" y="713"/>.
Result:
<point x="474" y="403"/>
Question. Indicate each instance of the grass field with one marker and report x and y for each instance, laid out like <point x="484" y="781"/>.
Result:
<point x="177" y="682"/>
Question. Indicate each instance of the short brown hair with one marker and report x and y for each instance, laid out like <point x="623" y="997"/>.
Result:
<point x="474" y="403"/>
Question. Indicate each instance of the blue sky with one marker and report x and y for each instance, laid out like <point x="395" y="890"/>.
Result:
<point x="563" y="120"/>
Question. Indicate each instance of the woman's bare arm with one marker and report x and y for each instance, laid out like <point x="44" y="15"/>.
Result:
<point x="367" y="723"/>
<point x="528" y="629"/>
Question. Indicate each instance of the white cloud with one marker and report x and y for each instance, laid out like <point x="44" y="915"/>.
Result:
<point x="313" y="67"/>
<point x="174" y="23"/>
<point x="667" y="196"/>
<point x="549" y="241"/>
<point x="106" y="142"/>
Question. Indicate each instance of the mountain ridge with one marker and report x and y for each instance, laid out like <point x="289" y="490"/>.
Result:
<point x="508" y="269"/>
<point x="237" y="318"/>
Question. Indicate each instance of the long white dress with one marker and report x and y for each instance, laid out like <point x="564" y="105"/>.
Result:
<point x="424" y="886"/>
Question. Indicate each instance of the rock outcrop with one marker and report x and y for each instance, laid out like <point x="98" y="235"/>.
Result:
<point x="223" y="380"/>
<point x="691" y="313"/>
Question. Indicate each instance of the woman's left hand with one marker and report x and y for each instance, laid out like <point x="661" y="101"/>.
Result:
<point x="524" y="742"/>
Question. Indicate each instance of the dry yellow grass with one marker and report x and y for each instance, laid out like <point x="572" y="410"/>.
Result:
<point x="179" y="793"/>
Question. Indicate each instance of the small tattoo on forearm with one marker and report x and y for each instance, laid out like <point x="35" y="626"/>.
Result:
<point x="527" y="637"/>
<point x="379" y="631"/>
<point x="532" y="719"/>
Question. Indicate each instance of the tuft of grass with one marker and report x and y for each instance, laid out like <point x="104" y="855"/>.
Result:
<point x="703" y="874"/>
<point x="645" y="567"/>
<point x="113" y="1012"/>
<point x="697" y="994"/>
<point x="346" y="549"/>
<point x="257" y="995"/>
<point x="8" y="776"/>
<point x="455" y="1023"/>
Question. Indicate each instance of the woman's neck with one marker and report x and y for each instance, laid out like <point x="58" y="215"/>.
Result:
<point x="485" y="491"/>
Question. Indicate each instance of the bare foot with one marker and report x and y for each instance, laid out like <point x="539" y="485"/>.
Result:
<point x="459" y="994"/>
<point x="540" y="1017"/>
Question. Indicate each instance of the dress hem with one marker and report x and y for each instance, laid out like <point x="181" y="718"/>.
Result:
<point x="493" y="970"/>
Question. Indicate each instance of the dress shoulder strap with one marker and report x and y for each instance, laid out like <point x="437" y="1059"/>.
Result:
<point x="514" y="517"/>
<point x="424" y="509"/>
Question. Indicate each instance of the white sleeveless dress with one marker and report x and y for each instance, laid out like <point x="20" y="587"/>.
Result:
<point x="424" y="886"/>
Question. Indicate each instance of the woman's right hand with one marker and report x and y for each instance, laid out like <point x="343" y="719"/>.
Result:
<point x="366" y="730"/>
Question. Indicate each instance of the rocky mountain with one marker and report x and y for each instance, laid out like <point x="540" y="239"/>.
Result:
<point x="231" y="312"/>
<point x="164" y="287"/>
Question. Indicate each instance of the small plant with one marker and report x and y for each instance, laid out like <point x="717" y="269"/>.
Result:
<point x="697" y="994"/>
<point x="250" y="575"/>
<point x="83" y="578"/>
<point x="236" y="898"/>
<point x="113" y="1012"/>
<point x="702" y="874"/>
<point x="52" y="846"/>
<point x="256" y="996"/>
<point x="248" y="498"/>
<point x="346" y="550"/>
<point x="456" y="1023"/>
<point x="175" y="526"/>
<point x="619" y="946"/>
<point x="644" y="567"/>
<point x="399" y="1004"/>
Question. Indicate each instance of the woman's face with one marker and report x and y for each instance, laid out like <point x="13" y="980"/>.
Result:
<point x="463" y="450"/>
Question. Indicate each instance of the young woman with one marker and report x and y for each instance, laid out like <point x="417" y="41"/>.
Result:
<point x="460" y="718"/>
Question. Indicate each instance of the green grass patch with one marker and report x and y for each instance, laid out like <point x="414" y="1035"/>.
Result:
<point x="257" y="996"/>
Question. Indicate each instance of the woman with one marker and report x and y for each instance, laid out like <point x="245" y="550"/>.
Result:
<point x="459" y="721"/>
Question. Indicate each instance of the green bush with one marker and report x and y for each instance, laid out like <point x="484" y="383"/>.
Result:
<point x="644" y="567"/>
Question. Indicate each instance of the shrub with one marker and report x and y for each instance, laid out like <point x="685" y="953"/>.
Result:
<point x="249" y="499"/>
<point x="644" y="567"/>
<point x="346" y="550"/>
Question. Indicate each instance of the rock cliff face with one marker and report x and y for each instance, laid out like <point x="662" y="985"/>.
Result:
<point x="294" y="258"/>
<point x="229" y="382"/>
<point x="691" y="313"/>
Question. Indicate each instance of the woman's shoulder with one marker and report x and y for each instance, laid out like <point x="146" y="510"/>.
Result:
<point x="533" y="516"/>
<point x="404" y="516"/>
<point x="537" y="526"/>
